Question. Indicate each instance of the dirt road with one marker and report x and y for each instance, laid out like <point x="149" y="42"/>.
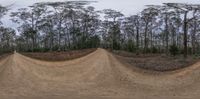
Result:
<point x="98" y="75"/>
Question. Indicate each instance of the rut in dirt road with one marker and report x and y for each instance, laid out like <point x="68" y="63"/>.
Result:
<point x="98" y="75"/>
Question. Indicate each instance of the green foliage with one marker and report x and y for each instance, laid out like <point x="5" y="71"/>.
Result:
<point x="115" y="32"/>
<point x="55" y="48"/>
<point x="116" y="45"/>
<point x="3" y="51"/>
<point x="154" y="50"/>
<point x="189" y="50"/>
<point x="130" y="46"/>
<point x="148" y="50"/>
<point x="174" y="50"/>
<point x="39" y="50"/>
<point x="94" y="42"/>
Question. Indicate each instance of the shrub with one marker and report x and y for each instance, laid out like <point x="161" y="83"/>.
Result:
<point x="154" y="50"/>
<point x="173" y="50"/>
<point x="130" y="46"/>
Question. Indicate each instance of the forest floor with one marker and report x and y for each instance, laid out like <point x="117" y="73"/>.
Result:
<point x="2" y="56"/>
<point x="98" y="75"/>
<point x="59" y="56"/>
<point x="155" y="62"/>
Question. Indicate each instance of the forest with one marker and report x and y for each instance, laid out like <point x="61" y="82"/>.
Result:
<point x="170" y="28"/>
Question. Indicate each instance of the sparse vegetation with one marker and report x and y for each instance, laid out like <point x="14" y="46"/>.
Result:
<point x="174" y="50"/>
<point x="155" y="62"/>
<point x="59" y="56"/>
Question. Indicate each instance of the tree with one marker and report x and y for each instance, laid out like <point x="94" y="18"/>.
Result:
<point x="7" y="36"/>
<point x="185" y="9"/>
<point x="29" y="18"/>
<point x="131" y="27"/>
<point x="114" y="26"/>
<point x="3" y="11"/>
<point x="6" y="39"/>
<point x="148" y="15"/>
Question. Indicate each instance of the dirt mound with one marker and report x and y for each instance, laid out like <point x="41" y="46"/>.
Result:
<point x="98" y="75"/>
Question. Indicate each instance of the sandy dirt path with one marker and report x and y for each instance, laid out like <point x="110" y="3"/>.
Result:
<point x="98" y="75"/>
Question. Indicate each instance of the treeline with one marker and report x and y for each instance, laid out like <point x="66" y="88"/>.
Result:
<point x="57" y="26"/>
<point x="7" y="35"/>
<point x="171" y="28"/>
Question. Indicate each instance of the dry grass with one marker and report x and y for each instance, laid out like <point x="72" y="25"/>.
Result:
<point x="59" y="56"/>
<point x="5" y="55"/>
<point x="155" y="62"/>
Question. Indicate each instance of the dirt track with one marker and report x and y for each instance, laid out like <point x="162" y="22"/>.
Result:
<point x="98" y="75"/>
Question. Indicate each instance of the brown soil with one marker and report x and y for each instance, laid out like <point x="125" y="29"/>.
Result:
<point x="2" y="56"/>
<point x="59" y="56"/>
<point x="155" y="62"/>
<point x="98" y="75"/>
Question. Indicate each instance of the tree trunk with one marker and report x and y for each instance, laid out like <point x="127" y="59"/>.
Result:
<point x="145" y="38"/>
<point x="166" y="34"/>
<point x="194" y="36"/>
<point x="137" y="39"/>
<point x="185" y="35"/>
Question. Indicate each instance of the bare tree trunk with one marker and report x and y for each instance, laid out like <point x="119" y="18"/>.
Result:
<point x="145" y="38"/>
<point x="166" y="34"/>
<point x="137" y="39"/>
<point x="185" y="35"/>
<point x="151" y="37"/>
<point x="194" y="35"/>
<point x="59" y="34"/>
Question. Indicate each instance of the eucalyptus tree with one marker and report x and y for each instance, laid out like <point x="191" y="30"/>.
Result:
<point x="7" y="37"/>
<point x="28" y="19"/>
<point x="148" y="15"/>
<point x="46" y="27"/>
<point x="184" y="9"/>
<point x="175" y="24"/>
<point x="90" y="23"/>
<point x="193" y="25"/>
<point x="129" y="32"/>
<point x="136" y="20"/>
<point x="3" y="11"/>
<point x="4" y="32"/>
<point x="131" y="27"/>
<point x="104" y="34"/>
<point x="59" y="17"/>
<point x="69" y="16"/>
<point x="165" y="16"/>
<point x="174" y="27"/>
<point x="113" y="18"/>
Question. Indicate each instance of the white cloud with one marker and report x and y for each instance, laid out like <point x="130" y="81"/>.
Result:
<point x="128" y="7"/>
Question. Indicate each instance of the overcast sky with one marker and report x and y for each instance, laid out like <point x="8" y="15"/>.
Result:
<point x="128" y="7"/>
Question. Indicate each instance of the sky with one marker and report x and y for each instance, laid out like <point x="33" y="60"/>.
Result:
<point x="127" y="7"/>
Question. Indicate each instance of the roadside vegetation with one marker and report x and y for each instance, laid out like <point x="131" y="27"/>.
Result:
<point x="155" y="62"/>
<point x="59" y="56"/>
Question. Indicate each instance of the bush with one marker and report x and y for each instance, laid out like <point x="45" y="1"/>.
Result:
<point x="190" y="50"/>
<point x="173" y="50"/>
<point x="130" y="46"/>
<point x="116" y="45"/>
<point x="154" y="50"/>
<point x="38" y="50"/>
